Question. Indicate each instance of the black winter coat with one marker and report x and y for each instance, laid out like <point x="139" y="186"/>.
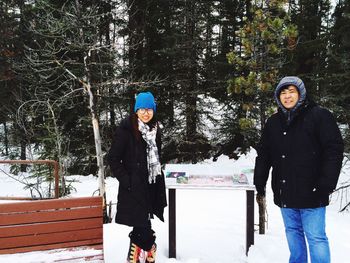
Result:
<point x="305" y="156"/>
<point x="138" y="200"/>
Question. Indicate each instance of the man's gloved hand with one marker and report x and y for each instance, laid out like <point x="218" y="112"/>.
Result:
<point x="260" y="198"/>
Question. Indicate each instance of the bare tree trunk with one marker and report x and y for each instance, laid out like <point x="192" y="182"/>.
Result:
<point x="111" y="110"/>
<point x="23" y="146"/>
<point x="87" y="86"/>
<point x="58" y="142"/>
<point x="191" y="81"/>
<point x="6" y="139"/>
<point x="98" y="141"/>
<point x="23" y="154"/>
<point x="96" y="128"/>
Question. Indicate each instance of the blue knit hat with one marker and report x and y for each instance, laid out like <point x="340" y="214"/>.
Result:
<point x="287" y="81"/>
<point x="145" y="100"/>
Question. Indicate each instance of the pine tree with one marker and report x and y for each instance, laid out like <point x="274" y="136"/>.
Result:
<point x="338" y="73"/>
<point x="166" y="43"/>
<point x="265" y="38"/>
<point x="337" y="96"/>
<point x="11" y="46"/>
<point x="8" y="51"/>
<point x="309" y="62"/>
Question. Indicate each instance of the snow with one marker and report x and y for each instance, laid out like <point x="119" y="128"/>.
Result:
<point x="210" y="224"/>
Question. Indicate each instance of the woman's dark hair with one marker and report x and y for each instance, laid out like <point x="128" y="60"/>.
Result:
<point x="135" y="126"/>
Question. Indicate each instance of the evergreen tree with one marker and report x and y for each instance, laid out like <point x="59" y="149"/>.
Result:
<point x="309" y="62"/>
<point x="11" y="46"/>
<point x="265" y="38"/>
<point x="338" y="92"/>
<point x="228" y="139"/>
<point x="166" y="43"/>
<point x="175" y="49"/>
<point x="8" y="50"/>
<point x="337" y="95"/>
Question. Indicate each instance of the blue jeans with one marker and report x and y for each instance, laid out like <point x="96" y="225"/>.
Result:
<point x="309" y="223"/>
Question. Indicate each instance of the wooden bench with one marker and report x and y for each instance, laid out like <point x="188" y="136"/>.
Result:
<point x="69" y="223"/>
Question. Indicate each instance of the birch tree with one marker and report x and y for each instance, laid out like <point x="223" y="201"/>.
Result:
<point x="65" y="61"/>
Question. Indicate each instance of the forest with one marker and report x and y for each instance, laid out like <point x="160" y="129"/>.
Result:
<point x="70" y="70"/>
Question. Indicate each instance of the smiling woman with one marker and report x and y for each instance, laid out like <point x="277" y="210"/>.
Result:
<point x="134" y="158"/>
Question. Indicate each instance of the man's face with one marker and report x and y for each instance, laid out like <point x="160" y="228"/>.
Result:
<point x="289" y="97"/>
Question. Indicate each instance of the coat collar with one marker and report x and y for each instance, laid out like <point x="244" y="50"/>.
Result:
<point x="289" y="116"/>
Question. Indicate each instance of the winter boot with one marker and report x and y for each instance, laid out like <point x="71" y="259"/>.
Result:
<point x="135" y="254"/>
<point x="151" y="254"/>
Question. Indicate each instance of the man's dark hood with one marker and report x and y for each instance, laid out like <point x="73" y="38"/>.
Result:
<point x="287" y="81"/>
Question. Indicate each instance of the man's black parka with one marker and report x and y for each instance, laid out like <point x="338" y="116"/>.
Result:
<point x="305" y="155"/>
<point x="138" y="200"/>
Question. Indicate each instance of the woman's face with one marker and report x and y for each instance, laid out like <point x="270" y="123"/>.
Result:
<point x="145" y="115"/>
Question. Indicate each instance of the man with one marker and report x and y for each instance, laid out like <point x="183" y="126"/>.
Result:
<point x="303" y="145"/>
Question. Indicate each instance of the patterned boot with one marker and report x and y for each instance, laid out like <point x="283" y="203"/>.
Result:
<point x="151" y="254"/>
<point x="135" y="254"/>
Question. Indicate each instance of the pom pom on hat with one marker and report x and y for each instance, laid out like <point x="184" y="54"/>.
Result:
<point x="145" y="100"/>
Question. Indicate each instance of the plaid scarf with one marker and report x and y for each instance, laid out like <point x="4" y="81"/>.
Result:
<point x="149" y="135"/>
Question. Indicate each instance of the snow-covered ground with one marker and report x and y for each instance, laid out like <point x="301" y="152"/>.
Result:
<point x="210" y="224"/>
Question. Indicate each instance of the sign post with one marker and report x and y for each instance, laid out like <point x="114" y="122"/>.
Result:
<point x="172" y="223"/>
<point x="181" y="177"/>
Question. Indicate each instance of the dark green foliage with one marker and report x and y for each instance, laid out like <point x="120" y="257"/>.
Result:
<point x="265" y="38"/>
<point x="337" y="92"/>
<point x="176" y="49"/>
<point x="309" y="61"/>
<point x="169" y="37"/>
<point x="63" y="34"/>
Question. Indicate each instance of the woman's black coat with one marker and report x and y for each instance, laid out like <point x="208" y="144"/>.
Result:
<point x="305" y="156"/>
<point x="138" y="200"/>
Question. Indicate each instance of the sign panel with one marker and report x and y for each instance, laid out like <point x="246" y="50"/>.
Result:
<point x="183" y="176"/>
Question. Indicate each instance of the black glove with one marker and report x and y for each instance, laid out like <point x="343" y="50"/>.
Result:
<point x="260" y="198"/>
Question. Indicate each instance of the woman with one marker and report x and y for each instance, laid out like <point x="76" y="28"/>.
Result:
<point x="134" y="159"/>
